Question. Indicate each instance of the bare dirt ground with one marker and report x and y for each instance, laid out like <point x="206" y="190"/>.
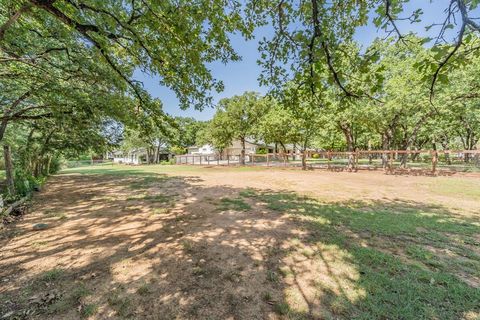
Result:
<point x="457" y="192"/>
<point x="186" y="245"/>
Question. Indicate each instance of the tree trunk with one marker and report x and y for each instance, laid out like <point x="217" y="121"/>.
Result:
<point x="9" y="169"/>
<point x="369" y="150"/>
<point x="434" y="158"/>
<point x="36" y="172"/>
<point x="157" y="153"/>
<point x="3" y="127"/>
<point x="283" y="147"/>
<point x="385" y="147"/>
<point x="404" y="158"/>
<point x="444" y="144"/>
<point x="49" y="161"/>
<point x="350" y="149"/>
<point x="304" y="155"/>
<point x="347" y="132"/>
<point x="242" y="153"/>
<point x="304" y="160"/>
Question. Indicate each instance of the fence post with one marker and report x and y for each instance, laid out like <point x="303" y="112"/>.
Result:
<point x="350" y="161"/>
<point x="228" y="159"/>
<point x="268" y="160"/>
<point x="200" y="160"/>
<point x="208" y="159"/>
<point x="218" y="160"/>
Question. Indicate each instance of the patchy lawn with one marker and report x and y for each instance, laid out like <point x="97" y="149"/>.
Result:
<point x="184" y="242"/>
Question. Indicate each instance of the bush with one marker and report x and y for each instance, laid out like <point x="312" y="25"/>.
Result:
<point x="178" y="150"/>
<point x="261" y="151"/>
<point x="55" y="165"/>
<point x="168" y="162"/>
<point x="26" y="183"/>
<point x="315" y="156"/>
<point x="426" y="157"/>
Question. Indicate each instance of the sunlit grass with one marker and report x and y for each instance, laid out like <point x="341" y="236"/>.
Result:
<point x="379" y="260"/>
<point x="126" y="170"/>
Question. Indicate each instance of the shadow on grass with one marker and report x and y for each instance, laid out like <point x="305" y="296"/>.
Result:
<point x="377" y="260"/>
<point x="142" y="245"/>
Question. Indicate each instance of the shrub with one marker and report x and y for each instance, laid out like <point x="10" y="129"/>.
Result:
<point x="178" y="150"/>
<point x="55" y="165"/>
<point x="24" y="182"/>
<point x="315" y="156"/>
<point x="261" y="151"/>
<point x="168" y="162"/>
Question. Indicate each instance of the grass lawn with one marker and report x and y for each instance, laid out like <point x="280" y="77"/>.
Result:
<point x="186" y="242"/>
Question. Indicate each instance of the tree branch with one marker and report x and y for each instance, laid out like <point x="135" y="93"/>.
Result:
<point x="13" y="18"/>
<point x="85" y="31"/>
<point x="445" y="61"/>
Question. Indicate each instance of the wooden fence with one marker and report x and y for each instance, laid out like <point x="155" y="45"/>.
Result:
<point x="432" y="161"/>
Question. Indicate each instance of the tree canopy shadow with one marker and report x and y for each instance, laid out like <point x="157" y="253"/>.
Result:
<point x="151" y="246"/>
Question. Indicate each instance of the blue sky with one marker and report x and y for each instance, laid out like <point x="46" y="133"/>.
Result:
<point x="241" y="76"/>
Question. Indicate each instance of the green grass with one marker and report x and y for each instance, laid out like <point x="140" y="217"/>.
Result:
<point x="282" y="308"/>
<point x="121" y="304"/>
<point x="248" y="193"/>
<point x="236" y="204"/>
<point x="55" y="214"/>
<point x="149" y="170"/>
<point x="71" y="300"/>
<point x="147" y="182"/>
<point x="151" y="197"/>
<point x="51" y="275"/>
<point x="457" y="188"/>
<point x="144" y="289"/>
<point x="411" y="259"/>
<point x="89" y="310"/>
<point x="398" y="259"/>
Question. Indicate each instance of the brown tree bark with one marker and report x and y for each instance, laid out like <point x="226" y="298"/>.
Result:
<point x="9" y="169"/>
<point x="157" y="154"/>
<point x="304" y="160"/>
<point x="242" y="153"/>
<point x="348" y="132"/>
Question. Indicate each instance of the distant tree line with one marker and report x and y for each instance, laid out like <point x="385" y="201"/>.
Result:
<point x="397" y="115"/>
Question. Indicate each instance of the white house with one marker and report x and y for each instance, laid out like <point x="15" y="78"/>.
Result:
<point x="235" y="149"/>
<point x="201" y="150"/>
<point x="134" y="156"/>
<point x="138" y="156"/>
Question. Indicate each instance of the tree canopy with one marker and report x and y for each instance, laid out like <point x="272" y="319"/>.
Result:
<point x="67" y="76"/>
